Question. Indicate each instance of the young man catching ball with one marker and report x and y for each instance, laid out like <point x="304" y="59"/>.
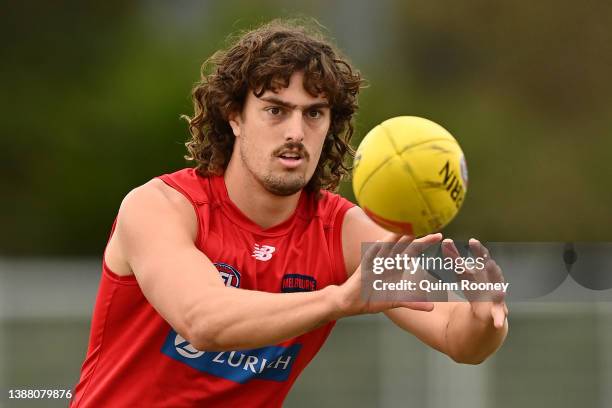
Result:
<point x="220" y="283"/>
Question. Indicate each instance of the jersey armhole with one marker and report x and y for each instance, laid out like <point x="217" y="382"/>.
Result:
<point x="171" y="183"/>
<point x="107" y="271"/>
<point x="337" y="252"/>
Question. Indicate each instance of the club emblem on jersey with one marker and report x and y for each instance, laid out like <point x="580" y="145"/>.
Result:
<point x="294" y="282"/>
<point x="263" y="252"/>
<point x="229" y="274"/>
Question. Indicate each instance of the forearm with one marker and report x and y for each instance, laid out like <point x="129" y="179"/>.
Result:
<point x="239" y="319"/>
<point x="470" y="339"/>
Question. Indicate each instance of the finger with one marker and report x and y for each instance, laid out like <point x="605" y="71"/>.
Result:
<point x="401" y="243"/>
<point x="379" y="248"/>
<point x="392" y="244"/>
<point x="497" y="312"/>
<point x="412" y="247"/>
<point x="478" y="249"/>
<point x="372" y="250"/>
<point x="420" y="245"/>
<point x="449" y="250"/>
<point x="494" y="272"/>
<point x="435" y="237"/>
<point x="421" y="306"/>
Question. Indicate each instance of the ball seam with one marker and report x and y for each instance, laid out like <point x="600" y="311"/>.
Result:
<point x="413" y="178"/>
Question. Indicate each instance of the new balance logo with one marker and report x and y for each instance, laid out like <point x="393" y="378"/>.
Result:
<point x="263" y="252"/>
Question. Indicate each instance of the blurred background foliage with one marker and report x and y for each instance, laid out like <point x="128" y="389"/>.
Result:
<point x="92" y="93"/>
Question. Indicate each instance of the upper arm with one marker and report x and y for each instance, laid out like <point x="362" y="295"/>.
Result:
<point x="156" y="229"/>
<point x="429" y="327"/>
<point x="357" y="227"/>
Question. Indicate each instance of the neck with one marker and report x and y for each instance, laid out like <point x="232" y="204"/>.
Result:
<point x="258" y="204"/>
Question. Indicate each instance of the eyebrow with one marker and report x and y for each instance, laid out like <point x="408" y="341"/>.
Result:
<point x="277" y="101"/>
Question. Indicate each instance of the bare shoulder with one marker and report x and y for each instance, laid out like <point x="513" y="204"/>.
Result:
<point x="155" y="196"/>
<point x="357" y="227"/>
<point x="145" y="211"/>
<point x="156" y="193"/>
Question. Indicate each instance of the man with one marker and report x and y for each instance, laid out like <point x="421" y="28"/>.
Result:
<point x="221" y="283"/>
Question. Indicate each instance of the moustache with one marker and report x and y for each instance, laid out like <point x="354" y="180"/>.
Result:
<point x="292" y="147"/>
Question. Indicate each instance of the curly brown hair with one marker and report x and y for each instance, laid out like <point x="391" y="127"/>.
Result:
<point x="264" y="59"/>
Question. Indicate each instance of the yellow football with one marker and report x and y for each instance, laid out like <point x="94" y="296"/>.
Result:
<point x="410" y="175"/>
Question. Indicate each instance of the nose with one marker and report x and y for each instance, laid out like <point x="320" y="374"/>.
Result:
<point x="294" y="131"/>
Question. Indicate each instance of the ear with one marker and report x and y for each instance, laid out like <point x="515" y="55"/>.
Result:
<point x="235" y="121"/>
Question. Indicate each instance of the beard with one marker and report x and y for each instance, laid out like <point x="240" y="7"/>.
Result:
<point x="283" y="185"/>
<point x="284" y="182"/>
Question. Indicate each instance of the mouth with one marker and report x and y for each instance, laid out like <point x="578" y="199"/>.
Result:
<point x="291" y="159"/>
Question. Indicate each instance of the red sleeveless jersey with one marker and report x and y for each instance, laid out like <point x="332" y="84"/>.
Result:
<point x="136" y="359"/>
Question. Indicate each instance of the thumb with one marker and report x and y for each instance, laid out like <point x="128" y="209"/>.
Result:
<point x="499" y="315"/>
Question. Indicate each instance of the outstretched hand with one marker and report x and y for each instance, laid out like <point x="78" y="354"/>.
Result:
<point x="355" y="302"/>
<point x="489" y="305"/>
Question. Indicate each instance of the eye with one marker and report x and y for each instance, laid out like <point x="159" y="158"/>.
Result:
<point x="274" y="110"/>
<point x="314" y="114"/>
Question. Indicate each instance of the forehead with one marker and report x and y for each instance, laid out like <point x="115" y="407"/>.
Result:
<point x="295" y="92"/>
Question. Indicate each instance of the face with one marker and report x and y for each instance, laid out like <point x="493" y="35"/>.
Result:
<point x="279" y="136"/>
